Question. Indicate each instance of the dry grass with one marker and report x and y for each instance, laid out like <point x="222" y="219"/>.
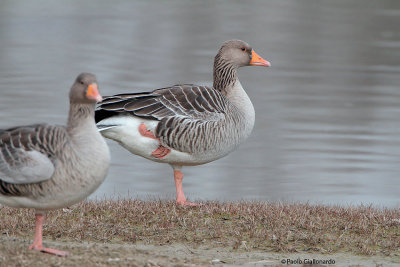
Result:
<point x="273" y="227"/>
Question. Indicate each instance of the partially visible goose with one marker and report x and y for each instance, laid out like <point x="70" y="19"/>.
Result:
<point x="185" y="124"/>
<point x="48" y="167"/>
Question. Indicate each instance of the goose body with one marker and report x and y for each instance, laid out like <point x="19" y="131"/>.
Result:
<point x="186" y="124"/>
<point x="201" y="128"/>
<point x="46" y="174"/>
<point x="48" y="167"/>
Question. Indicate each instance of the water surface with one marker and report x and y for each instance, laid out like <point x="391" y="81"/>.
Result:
<point x="327" y="111"/>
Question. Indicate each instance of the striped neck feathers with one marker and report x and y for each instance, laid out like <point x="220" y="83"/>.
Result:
<point x="225" y="75"/>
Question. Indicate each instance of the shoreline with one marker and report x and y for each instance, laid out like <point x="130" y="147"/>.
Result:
<point x="160" y="233"/>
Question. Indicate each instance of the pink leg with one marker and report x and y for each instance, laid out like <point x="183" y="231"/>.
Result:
<point x="161" y="151"/>
<point x="37" y="241"/>
<point x="180" y="196"/>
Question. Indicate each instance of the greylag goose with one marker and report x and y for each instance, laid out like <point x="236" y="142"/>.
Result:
<point x="46" y="167"/>
<point x="186" y="124"/>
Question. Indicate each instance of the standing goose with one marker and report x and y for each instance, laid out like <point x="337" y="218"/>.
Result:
<point x="185" y="124"/>
<point x="47" y="167"/>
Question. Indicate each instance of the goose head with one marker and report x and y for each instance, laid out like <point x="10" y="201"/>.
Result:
<point x="239" y="54"/>
<point x="85" y="90"/>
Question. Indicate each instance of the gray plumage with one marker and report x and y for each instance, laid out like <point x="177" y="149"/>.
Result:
<point x="192" y="119"/>
<point x="45" y="166"/>
<point x="185" y="124"/>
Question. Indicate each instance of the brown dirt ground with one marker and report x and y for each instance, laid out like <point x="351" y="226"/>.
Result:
<point x="160" y="233"/>
<point x="14" y="252"/>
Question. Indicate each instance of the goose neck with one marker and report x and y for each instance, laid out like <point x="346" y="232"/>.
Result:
<point x="80" y="116"/>
<point x="225" y="75"/>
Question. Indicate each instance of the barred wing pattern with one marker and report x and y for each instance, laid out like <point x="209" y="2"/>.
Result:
<point x="27" y="155"/>
<point x="191" y="118"/>
<point x="187" y="100"/>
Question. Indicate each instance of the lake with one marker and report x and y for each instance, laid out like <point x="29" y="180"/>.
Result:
<point x="327" y="112"/>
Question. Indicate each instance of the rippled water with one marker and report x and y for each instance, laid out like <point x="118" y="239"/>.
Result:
<point x="327" y="111"/>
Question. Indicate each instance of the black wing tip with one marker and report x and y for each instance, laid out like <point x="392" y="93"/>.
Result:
<point x="102" y="114"/>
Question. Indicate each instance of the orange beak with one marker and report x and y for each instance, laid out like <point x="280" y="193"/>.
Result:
<point x="256" y="60"/>
<point x="93" y="92"/>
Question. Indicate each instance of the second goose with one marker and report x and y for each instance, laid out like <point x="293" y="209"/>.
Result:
<point x="48" y="167"/>
<point x="186" y="124"/>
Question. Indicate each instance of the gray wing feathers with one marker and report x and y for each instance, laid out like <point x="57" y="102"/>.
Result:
<point x="27" y="153"/>
<point x="192" y="118"/>
<point x="191" y="101"/>
<point x="26" y="167"/>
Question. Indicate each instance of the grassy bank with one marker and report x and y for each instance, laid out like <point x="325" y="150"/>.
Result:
<point x="241" y="226"/>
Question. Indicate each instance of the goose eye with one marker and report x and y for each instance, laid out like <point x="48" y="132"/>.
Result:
<point x="243" y="48"/>
<point x="81" y="82"/>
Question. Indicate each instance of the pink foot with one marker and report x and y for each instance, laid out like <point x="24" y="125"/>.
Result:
<point x="146" y="133"/>
<point x="160" y="152"/>
<point x="37" y="241"/>
<point x="185" y="203"/>
<point x="52" y="251"/>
